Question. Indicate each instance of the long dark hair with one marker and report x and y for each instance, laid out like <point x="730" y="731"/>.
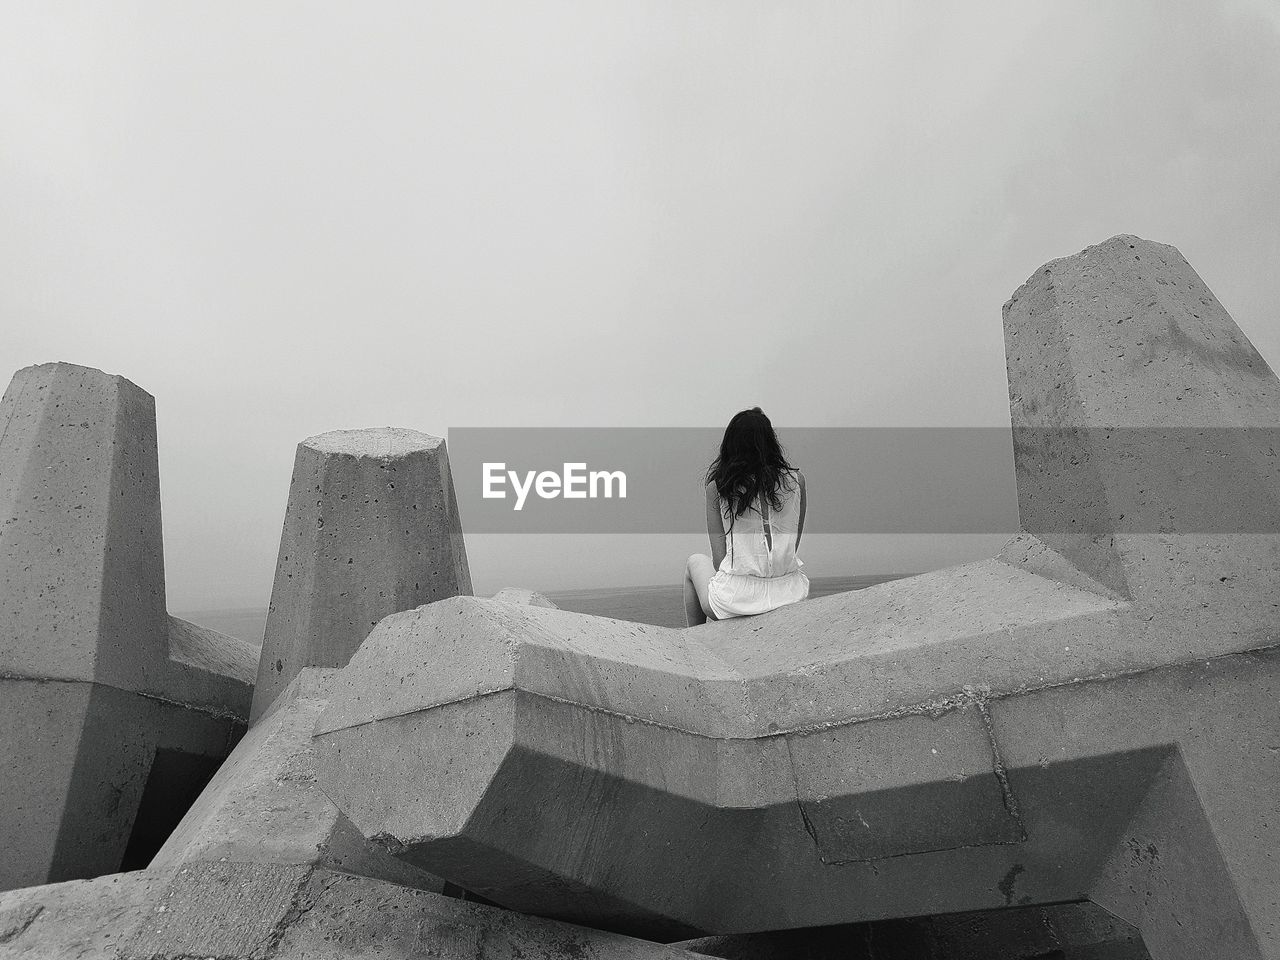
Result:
<point x="751" y="465"/>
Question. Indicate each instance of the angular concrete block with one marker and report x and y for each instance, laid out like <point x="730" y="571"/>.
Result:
<point x="110" y="705"/>
<point x="81" y="556"/>
<point x="212" y="652"/>
<point x="371" y="528"/>
<point x="263" y="804"/>
<point x="490" y="789"/>
<point x="265" y="866"/>
<point x="43" y="725"/>
<point x="1140" y="412"/>
<point x="988" y="736"/>
<point x="81" y="760"/>
<point x="210" y="670"/>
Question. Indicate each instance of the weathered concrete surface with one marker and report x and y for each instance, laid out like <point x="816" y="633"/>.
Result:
<point x="834" y="813"/>
<point x="79" y="758"/>
<point x="82" y="562"/>
<point x="371" y="528"/>
<point x="216" y="654"/>
<point x="263" y="805"/>
<point x="81" y="919"/>
<point x="272" y="911"/>
<point x="1146" y="433"/>
<point x="1014" y="731"/>
<point x="264" y="866"/>
<point x="96" y="676"/>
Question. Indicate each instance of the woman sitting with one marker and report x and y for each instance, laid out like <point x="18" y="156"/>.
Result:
<point x="755" y="515"/>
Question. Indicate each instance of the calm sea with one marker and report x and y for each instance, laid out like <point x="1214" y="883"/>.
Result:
<point x="661" y="605"/>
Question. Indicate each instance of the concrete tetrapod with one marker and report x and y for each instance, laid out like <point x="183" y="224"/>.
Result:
<point x="272" y="770"/>
<point x="1088" y="716"/>
<point x="371" y="528"/>
<point x="264" y="867"/>
<point x="106" y="702"/>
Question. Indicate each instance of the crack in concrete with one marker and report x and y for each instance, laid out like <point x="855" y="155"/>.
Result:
<point x="809" y="828"/>
<point x="300" y="904"/>
<point x="998" y="767"/>
<point x="468" y="698"/>
<point x="215" y="712"/>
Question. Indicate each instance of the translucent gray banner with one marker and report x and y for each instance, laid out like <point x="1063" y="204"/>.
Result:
<point x="880" y="480"/>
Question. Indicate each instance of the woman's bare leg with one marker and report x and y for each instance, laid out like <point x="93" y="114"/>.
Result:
<point x="693" y="614"/>
<point x="698" y="571"/>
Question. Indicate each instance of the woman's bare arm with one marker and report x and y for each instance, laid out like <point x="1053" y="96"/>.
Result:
<point x="800" y="526"/>
<point x="715" y="526"/>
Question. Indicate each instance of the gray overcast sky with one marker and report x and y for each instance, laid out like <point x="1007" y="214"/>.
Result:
<point x="292" y="217"/>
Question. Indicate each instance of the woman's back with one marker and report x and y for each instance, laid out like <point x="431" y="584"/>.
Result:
<point x="760" y="570"/>
<point x="762" y="541"/>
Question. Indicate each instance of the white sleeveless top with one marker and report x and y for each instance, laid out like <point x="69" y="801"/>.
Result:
<point x="760" y="571"/>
